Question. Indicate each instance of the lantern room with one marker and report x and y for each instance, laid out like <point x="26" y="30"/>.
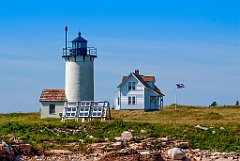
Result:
<point x="79" y="46"/>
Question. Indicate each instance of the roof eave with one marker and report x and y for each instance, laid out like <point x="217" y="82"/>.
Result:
<point x="124" y="80"/>
<point x="51" y="101"/>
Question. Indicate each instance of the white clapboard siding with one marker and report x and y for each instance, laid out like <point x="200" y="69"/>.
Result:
<point x="138" y="93"/>
<point x="116" y="97"/>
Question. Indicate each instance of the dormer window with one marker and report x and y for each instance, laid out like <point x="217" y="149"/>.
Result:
<point x="131" y="86"/>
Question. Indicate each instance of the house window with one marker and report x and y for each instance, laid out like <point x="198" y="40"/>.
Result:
<point x="118" y="101"/>
<point x="131" y="85"/>
<point x="133" y="100"/>
<point x="52" y="109"/>
<point x="129" y="100"/>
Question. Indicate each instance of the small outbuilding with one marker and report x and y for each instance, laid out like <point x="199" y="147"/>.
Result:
<point x="52" y="103"/>
<point x="138" y="92"/>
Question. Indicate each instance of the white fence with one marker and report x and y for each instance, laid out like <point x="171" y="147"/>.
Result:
<point x="86" y="110"/>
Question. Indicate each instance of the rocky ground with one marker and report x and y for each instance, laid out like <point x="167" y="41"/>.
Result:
<point x="126" y="148"/>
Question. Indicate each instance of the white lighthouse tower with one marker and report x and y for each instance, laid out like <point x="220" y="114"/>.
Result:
<point x="79" y="76"/>
<point x="77" y="100"/>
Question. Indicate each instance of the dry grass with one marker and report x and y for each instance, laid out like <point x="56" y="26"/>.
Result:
<point x="25" y="117"/>
<point x="183" y="115"/>
<point x="191" y="115"/>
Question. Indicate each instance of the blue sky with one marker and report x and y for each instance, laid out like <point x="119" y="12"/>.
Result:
<point x="196" y="43"/>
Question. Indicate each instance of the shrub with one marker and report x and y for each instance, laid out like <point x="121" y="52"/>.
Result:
<point x="237" y="103"/>
<point x="214" y="104"/>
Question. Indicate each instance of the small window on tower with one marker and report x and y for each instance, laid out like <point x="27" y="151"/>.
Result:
<point x="52" y="109"/>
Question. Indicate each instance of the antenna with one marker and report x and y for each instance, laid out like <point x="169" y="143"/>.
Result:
<point x="66" y="30"/>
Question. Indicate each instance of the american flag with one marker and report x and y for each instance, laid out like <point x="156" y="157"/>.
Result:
<point x="180" y="86"/>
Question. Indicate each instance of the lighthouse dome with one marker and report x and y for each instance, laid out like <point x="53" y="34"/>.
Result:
<point x="79" y="38"/>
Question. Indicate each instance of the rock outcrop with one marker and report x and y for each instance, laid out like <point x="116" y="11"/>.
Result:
<point x="125" y="148"/>
<point x="6" y="152"/>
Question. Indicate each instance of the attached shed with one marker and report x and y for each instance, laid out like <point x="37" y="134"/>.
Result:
<point x="52" y="103"/>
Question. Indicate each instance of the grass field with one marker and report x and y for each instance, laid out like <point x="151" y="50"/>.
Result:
<point x="191" y="115"/>
<point x="223" y="125"/>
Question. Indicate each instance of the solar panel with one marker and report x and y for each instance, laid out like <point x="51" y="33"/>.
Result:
<point x="86" y="110"/>
<point x="71" y="111"/>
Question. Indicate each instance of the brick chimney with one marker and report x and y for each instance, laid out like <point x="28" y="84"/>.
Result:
<point x="137" y="72"/>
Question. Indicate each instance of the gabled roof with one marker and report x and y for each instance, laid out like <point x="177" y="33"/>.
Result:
<point x="156" y="89"/>
<point x="53" y="95"/>
<point x="143" y="79"/>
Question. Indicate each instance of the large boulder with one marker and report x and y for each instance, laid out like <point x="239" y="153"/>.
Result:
<point x="126" y="135"/>
<point x="176" y="153"/>
<point x="6" y="152"/>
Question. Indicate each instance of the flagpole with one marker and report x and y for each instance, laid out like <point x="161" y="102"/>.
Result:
<point x="178" y="86"/>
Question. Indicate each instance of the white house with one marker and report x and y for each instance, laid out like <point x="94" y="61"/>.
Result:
<point x="138" y="92"/>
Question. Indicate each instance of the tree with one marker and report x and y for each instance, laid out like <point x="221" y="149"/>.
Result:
<point x="237" y="103"/>
<point x="214" y="103"/>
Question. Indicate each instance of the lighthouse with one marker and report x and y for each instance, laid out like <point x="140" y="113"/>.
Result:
<point x="79" y="69"/>
<point x="77" y="99"/>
